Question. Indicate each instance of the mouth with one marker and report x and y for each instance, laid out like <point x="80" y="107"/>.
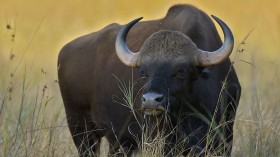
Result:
<point x="153" y="111"/>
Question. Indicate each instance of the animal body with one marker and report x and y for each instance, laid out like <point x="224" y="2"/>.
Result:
<point x="180" y="69"/>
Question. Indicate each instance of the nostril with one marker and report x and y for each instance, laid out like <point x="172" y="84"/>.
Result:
<point x="143" y="99"/>
<point x="159" y="99"/>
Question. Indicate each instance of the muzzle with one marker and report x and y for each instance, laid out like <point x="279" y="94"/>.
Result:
<point x="153" y="103"/>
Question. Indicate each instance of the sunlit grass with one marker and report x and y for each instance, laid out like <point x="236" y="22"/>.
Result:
<point x="31" y="124"/>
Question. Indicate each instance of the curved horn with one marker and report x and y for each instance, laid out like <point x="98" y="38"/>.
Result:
<point x="125" y="55"/>
<point x="206" y="58"/>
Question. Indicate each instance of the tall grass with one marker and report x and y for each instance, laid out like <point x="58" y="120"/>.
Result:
<point x="258" y="132"/>
<point x="32" y="119"/>
<point x="31" y="124"/>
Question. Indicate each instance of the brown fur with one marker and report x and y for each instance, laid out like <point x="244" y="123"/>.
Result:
<point x="168" y="46"/>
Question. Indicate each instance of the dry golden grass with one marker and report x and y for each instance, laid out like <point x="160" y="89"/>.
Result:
<point x="32" y="118"/>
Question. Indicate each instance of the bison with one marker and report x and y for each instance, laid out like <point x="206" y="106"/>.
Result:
<point x="179" y="68"/>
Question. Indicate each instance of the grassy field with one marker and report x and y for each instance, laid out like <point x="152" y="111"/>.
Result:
<point x="32" y="118"/>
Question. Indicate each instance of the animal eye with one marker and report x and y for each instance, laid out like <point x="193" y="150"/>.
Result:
<point x="143" y="73"/>
<point x="181" y="74"/>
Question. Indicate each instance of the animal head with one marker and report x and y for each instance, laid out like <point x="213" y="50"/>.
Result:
<point x="170" y="61"/>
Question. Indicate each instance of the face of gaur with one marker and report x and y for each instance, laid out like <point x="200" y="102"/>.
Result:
<point x="166" y="86"/>
<point x="166" y="64"/>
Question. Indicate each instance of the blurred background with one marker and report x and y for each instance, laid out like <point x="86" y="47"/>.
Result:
<point x="32" y="33"/>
